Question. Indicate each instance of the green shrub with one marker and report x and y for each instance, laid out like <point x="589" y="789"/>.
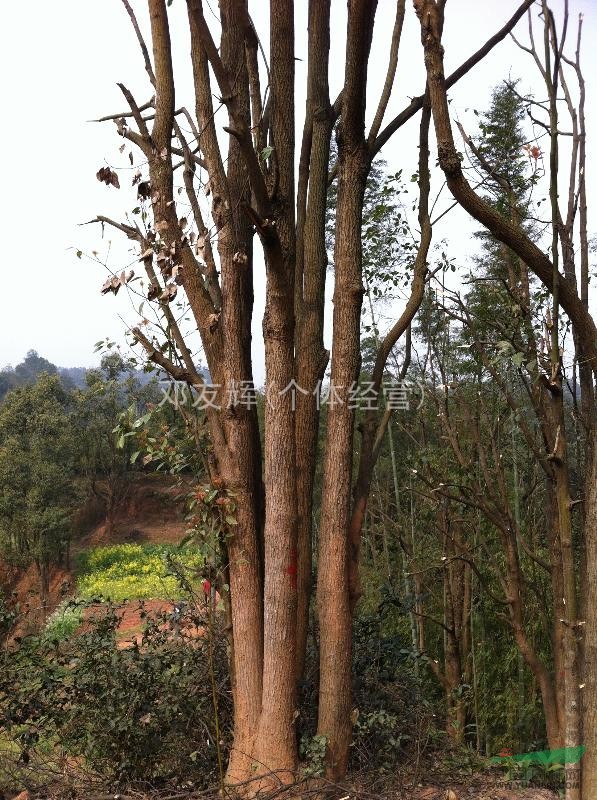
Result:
<point x="64" y="621"/>
<point x="139" y="715"/>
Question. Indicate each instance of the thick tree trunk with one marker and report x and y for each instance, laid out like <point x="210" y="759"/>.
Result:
<point x="568" y="660"/>
<point x="589" y="761"/>
<point x="311" y="357"/>
<point x="333" y="601"/>
<point x="335" y="618"/>
<point x="276" y="740"/>
<point x="237" y="451"/>
<point x="242" y="460"/>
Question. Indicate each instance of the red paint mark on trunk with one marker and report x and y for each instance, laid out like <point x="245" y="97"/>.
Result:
<point x="292" y="568"/>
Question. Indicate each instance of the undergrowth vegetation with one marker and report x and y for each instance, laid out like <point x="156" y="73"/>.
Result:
<point x="64" y="621"/>
<point x="142" y="714"/>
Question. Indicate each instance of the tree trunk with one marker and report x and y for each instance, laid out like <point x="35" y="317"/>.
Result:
<point x="44" y="584"/>
<point x="589" y="761"/>
<point x="333" y="601"/>
<point x="335" y="617"/>
<point x="276" y="740"/>
<point x="311" y="357"/>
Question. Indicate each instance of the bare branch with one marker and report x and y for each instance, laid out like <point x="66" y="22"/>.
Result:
<point x="140" y="39"/>
<point x="391" y="73"/>
<point x="136" y="112"/>
<point x="416" y="103"/>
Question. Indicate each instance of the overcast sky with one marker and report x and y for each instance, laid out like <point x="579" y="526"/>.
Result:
<point x="60" y="62"/>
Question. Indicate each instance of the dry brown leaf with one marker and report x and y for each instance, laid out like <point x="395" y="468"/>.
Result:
<point x="108" y="176"/>
<point x="212" y="322"/>
<point x="153" y="291"/>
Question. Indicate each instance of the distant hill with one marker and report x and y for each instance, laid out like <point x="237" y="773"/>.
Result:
<point x="33" y="365"/>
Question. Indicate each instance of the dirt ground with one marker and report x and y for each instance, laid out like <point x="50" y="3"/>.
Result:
<point x="435" y="793"/>
<point x="132" y="622"/>
<point x="150" y="514"/>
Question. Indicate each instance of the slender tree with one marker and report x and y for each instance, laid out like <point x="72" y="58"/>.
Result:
<point x="565" y="297"/>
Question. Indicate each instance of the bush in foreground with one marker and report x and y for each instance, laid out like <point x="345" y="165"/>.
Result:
<point x="143" y="714"/>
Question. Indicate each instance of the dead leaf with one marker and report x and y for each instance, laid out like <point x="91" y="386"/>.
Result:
<point x="113" y="284"/>
<point x="212" y="322"/>
<point x="144" y="190"/>
<point x="108" y="176"/>
<point x="147" y="254"/>
<point x="169" y="292"/>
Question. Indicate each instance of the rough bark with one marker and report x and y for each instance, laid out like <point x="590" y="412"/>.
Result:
<point x="243" y="464"/>
<point x="276" y="740"/>
<point x="374" y="424"/>
<point x="589" y="762"/>
<point x="335" y="621"/>
<point x="311" y="356"/>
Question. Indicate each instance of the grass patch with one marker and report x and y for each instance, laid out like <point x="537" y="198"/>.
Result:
<point x="135" y="572"/>
<point x="64" y="621"/>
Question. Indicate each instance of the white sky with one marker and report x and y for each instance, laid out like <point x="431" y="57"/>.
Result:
<point x="60" y="62"/>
